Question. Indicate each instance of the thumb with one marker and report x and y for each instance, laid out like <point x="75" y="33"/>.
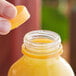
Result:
<point x="5" y="26"/>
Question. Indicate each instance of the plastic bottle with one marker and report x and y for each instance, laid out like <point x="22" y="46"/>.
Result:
<point x="41" y="56"/>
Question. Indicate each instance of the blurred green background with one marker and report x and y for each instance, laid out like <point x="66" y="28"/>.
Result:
<point x="54" y="17"/>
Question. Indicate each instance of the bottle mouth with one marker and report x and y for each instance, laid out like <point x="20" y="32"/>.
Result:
<point x="42" y="48"/>
<point x="42" y="34"/>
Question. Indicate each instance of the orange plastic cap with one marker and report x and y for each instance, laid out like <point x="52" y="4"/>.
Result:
<point x="22" y="16"/>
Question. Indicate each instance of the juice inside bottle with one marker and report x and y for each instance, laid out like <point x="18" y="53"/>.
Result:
<point x="41" y="56"/>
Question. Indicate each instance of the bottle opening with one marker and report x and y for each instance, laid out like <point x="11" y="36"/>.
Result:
<point x="42" y="42"/>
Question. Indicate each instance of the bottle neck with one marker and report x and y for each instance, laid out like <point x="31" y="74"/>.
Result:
<point x="53" y="54"/>
<point x="42" y="44"/>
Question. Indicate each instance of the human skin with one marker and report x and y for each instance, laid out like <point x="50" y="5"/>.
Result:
<point x="7" y="11"/>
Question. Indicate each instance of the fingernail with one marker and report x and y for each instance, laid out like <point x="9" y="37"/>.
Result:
<point x="5" y="27"/>
<point x="9" y="12"/>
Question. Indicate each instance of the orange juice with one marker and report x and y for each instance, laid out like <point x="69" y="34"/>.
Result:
<point x="41" y="56"/>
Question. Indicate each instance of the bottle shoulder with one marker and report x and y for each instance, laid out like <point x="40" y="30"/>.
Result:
<point x="15" y="66"/>
<point x="56" y="65"/>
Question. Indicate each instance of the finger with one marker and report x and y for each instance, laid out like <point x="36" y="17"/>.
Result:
<point x="7" y="9"/>
<point x="5" y="26"/>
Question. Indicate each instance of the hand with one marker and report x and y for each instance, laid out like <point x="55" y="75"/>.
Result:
<point x="7" y="11"/>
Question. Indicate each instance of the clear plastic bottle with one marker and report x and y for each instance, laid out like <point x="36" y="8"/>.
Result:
<point x="41" y="56"/>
